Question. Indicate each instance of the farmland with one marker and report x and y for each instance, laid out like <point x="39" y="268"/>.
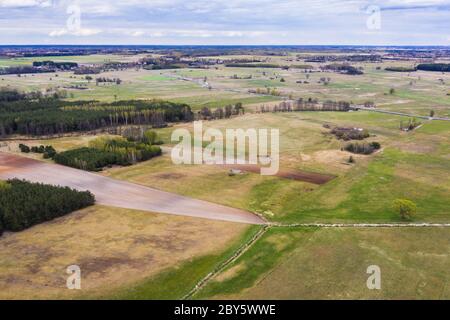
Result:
<point x="148" y="254"/>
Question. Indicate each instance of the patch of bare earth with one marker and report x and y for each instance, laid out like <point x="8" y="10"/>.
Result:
<point x="311" y="177"/>
<point x="113" y="247"/>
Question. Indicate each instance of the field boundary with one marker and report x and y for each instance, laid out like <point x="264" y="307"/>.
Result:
<point x="361" y="225"/>
<point x="226" y="263"/>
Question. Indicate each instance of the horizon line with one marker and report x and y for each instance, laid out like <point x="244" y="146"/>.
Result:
<point x="231" y="45"/>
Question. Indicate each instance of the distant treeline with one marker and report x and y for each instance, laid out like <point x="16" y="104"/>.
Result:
<point x="307" y="105"/>
<point x="401" y="69"/>
<point x="440" y="67"/>
<point x="350" y="58"/>
<point x="10" y="95"/>
<point x="53" y="116"/>
<point x="252" y="65"/>
<point x="56" y="65"/>
<point x="40" y="67"/>
<point x="343" y="68"/>
<point x="24" y="204"/>
<point x="220" y="113"/>
<point x="25" y="70"/>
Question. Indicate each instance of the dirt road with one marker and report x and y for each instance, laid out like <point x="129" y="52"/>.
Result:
<point x="117" y="193"/>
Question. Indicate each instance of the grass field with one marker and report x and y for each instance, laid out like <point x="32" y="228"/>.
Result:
<point x="416" y="92"/>
<point x="115" y="248"/>
<point x="332" y="263"/>
<point x="411" y="165"/>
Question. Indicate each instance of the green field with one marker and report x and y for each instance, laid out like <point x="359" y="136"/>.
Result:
<point x="416" y="92"/>
<point x="332" y="264"/>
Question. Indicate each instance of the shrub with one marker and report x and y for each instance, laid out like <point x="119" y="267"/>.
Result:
<point x="4" y="185"/>
<point x="39" y="149"/>
<point x="23" y="148"/>
<point x="359" y="148"/>
<point x="405" y="208"/>
<point x="150" y="137"/>
<point x="350" y="133"/>
<point x="375" y="145"/>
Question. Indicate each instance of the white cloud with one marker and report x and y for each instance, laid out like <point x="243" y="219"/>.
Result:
<point x="82" y="32"/>
<point x="25" y="3"/>
<point x="138" y="33"/>
<point x="216" y="21"/>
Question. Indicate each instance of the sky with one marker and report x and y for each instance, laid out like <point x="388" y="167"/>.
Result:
<point x="225" y="22"/>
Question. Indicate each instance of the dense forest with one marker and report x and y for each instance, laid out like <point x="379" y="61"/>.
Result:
<point x="441" y="67"/>
<point x="24" y="204"/>
<point x="52" y="116"/>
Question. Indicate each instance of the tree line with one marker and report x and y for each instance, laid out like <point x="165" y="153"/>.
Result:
<point x="53" y="116"/>
<point x="226" y="112"/>
<point x="309" y="104"/>
<point x="441" y="67"/>
<point x="24" y="204"/>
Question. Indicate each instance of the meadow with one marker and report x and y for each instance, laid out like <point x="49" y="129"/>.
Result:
<point x="154" y="256"/>
<point x="415" y="92"/>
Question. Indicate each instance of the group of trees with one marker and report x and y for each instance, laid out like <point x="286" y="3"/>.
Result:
<point x="88" y="159"/>
<point x="10" y="95"/>
<point x="350" y="133"/>
<point x="441" y="67"/>
<point x="25" y="70"/>
<point x="52" y="116"/>
<point x="55" y="65"/>
<point x="87" y="70"/>
<point x="252" y="65"/>
<point x="47" y="151"/>
<point x="267" y="91"/>
<point x="362" y="148"/>
<point x="411" y="124"/>
<point x="24" y="204"/>
<point x="140" y="134"/>
<point x="105" y="151"/>
<point x="343" y="68"/>
<point x="220" y="113"/>
<point x="401" y="69"/>
<point x="108" y="80"/>
<point x="309" y="104"/>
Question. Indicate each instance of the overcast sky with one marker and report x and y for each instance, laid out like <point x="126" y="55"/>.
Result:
<point x="298" y="22"/>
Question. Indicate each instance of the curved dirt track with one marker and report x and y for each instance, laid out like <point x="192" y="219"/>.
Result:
<point x="117" y="193"/>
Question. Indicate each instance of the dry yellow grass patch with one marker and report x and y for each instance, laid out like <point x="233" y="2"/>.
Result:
<point x="113" y="247"/>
